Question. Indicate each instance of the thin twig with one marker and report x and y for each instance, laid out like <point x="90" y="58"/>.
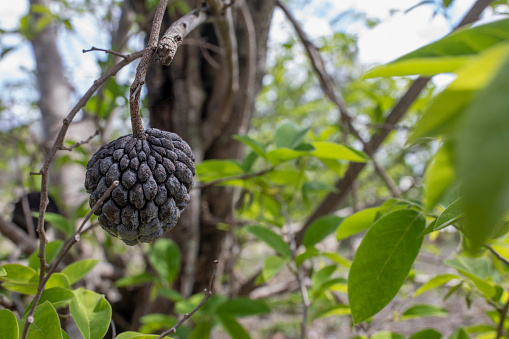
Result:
<point x="208" y="294"/>
<point x="501" y="322"/>
<point x="106" y="51"/>
<point x="78" y="144"/>
<point x="76" y="237"/>
<point x="141" y="70"/>
<point x="43" y="279"/>
<point x="236" y="177"/>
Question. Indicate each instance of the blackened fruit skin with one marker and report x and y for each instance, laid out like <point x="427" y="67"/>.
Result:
<point x="155" y="175"/>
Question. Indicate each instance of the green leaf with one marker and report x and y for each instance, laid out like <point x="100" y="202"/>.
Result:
<point x="20" y="278"/>
<point x="356" y="223"/>
<point x="201" y="330"/>
<point x="482" y="145"/>
<point x="58" y="280"/>
<point x="17" y="273"/>
<point x="337" y="310"/>
<point x="322" y="275"/>
<point x="2" y="272"/>
<point x="60" y="222"/>
<point x="136" y="335"/>
<point x="422" y="66"/>
<point x="270" y="238"/>
<point x="166" y="258"/>
<point x="310" y="252"/>
<point x="374" y="280"/>
<point x="242" y="307"/>
<point x="57" y="296"/>
<point x="216" y="169"/>
<point x="91" y="312"/>
<point x="418" y="311"/>
<point x="439" y="176"/>
<point x="156" y="321"/>
<point x="451" y="214"/>
<point x="134" y="280"/>
<point x="427" y="334"/>
<point x="281" y="155"/>
<point x="320" y="229"/>
<point x="442" y="114"/>
<point x="273" y="264"/>
<point x="338" y="259"/>
<point x="435" y="282"/>
<point x="289" y="135"/>
<point x="232" y="327"/>
<point x="486" y="287"/>
<point x="46" y="323"/>
<point x="8" y="324"/>
<point x="332" y="150"/>
<point x="448" y="53"/>
<point x="460" y="333"/>
<point x="257" y="147"/>
<point x="52" y="250"/>
<point x="387" y="335"/>
<point x="78" y="270"/>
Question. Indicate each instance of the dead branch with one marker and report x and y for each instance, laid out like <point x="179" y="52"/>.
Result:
<point x="108" y="51"/>
<point x="80" y="143"/>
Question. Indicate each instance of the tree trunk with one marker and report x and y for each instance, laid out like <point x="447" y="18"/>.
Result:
<point x="189" y="95"/>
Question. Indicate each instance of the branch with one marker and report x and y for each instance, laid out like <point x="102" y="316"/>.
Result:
<point x="496" y="254"/>
<point x="177" y="32"/>
<point x="503" y="315"/>
<point x="44" y="277"/>
<point x="333" y="200"/>
<point x="17" y="236"/>
<point x="208" y="294"/>
<point x="78" y="144"/>
<point x="141" y="70"/>
<point x="329" y="88"/>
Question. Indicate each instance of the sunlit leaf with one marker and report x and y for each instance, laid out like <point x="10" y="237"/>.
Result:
<point x="451" y="214"/>
<point x="482" y="144"/>
<point x="91" y="312"/>
<point x="46" y="323"/>
<point x="374" y="280"/>
<point x="78" y="270"/>
<point x="8" y="324"/>
<point x="435" y="282"/>
<point x="439" y="176"/>
<point x="418" y="311"/>
<point x="356" y="223"/>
